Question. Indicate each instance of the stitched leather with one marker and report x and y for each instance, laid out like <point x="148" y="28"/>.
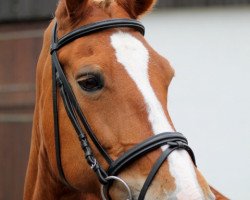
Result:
<point x="56" y="129"/>
<point x="97" y="27"/>
<point x="148" y="145"/>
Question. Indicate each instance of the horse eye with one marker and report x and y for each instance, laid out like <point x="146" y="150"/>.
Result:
<point x="91" y="82"/>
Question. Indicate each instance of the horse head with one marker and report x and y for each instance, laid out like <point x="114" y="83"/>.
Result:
<point x="120" y="84"/>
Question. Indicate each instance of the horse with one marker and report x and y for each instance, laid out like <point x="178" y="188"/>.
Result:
<point x="101" y="93"/>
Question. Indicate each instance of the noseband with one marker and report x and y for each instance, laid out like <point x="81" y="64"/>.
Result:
<point x="173" y="140"/>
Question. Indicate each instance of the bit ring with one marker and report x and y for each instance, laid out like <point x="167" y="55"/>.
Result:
<point x="105" y="188"/>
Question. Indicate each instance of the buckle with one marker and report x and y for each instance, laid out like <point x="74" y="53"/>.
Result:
<point x="180" y="145"/>
<point x="93" y="165"/>
<point x="58" y="80"/>
<point x="105" y="188"/>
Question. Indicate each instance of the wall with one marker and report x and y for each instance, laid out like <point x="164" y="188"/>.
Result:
<point x="19" y="10"/>
<point x="20" y="44"/>
<point x="181" y="3"/>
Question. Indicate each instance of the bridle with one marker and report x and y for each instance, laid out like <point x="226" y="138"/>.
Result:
<point x="173" y="140"/>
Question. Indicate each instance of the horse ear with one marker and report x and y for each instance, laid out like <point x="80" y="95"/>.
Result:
<point x="73" y="6"/>
<point x="137" y="7"/>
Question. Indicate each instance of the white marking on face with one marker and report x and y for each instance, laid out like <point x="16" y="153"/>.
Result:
<point x="134" y="57"/>
<point x="181" y="167"/>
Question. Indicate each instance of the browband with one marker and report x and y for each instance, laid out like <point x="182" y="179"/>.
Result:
<point x="93" y="28"/>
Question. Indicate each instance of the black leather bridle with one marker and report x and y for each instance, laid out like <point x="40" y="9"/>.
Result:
<point x="174" y="140"/>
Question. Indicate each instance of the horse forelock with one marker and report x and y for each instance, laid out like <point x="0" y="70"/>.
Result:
<point x="103" y="3"/>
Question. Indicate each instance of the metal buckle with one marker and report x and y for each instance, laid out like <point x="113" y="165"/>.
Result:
<point x="93" y="165"/>
<point x="104" y="188"/>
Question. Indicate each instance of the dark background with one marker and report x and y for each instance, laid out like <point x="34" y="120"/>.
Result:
<point x="21" y="28"/>
<point x="19" y="10"/>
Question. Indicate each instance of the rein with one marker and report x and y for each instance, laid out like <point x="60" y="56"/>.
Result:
<point x="173" y="140"/>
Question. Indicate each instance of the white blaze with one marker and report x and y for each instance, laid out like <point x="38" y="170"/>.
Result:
<point x="134" y="57"/>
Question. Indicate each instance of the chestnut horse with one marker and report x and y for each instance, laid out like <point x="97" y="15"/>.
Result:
<point x="121" y="85"/>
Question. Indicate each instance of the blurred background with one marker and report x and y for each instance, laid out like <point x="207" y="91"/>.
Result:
<point x="208" y="44"/>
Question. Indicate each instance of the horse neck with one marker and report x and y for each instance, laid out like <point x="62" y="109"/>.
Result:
<point x="41" y="182"/>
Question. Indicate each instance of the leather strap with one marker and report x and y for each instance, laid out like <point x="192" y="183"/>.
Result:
<point x="101" y="174"/>
<point x="154" y="170"/>
<point x="159" y="163"/>
<point x="174" y="140"/>
<point x="168" y="138"/>
<point x="56" y="129"/>
<point x="97" y="27"/>
<point x="61" y="78"/>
